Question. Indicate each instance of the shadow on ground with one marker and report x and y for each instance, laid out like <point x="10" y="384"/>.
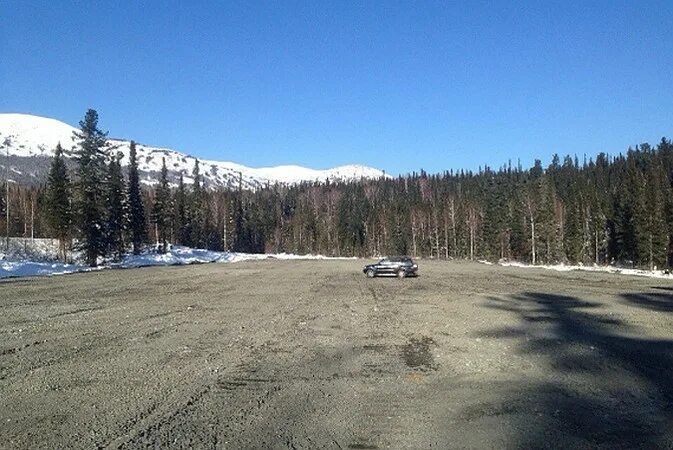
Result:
<point x="594" y="384"/>
<point x="656" y="301"/>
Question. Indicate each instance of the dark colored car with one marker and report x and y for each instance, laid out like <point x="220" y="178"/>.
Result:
<point x="399" y="266"/>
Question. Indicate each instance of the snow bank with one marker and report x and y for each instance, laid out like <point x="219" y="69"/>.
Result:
<point x="186" y="255"/>
<point x="36" y="268"/>
<point x="594" y="268"/>
<point x="175" y="256"/>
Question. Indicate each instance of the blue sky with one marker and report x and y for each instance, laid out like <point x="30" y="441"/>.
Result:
<point x="396" y="85"/>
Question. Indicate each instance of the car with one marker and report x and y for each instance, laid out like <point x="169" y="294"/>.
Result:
<point x="399" y="266"/>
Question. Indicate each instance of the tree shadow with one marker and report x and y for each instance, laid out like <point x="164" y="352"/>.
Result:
<point x="663" y="288"/>
<point x="578" y="379"/>
<point x="595" y="385"/>
<point x="655" y="301"/>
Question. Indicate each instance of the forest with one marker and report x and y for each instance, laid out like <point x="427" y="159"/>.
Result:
<point x="601" y="210"/>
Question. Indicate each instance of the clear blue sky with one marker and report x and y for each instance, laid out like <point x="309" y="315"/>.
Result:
<point x="395" y="85"/>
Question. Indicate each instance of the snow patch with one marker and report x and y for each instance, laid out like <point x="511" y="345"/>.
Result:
<point x="36" y="268"/>
<point x="594" y="268"/>
<point x="174" y="257"/>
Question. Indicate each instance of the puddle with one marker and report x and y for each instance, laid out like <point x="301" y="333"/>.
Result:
<point x="417" y="353"/>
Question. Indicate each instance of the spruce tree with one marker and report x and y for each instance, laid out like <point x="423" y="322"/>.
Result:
<point x="116" y="208"/>
<point x="665" y="151"/>
<point x="91" y="154"/>
<point x="494" y="218"/>
<point x="136" y="225"/>
<point x="197" y="208"/>
<point x="641" y="218"/>
<point x="518" y="236"/>
<point x="573" y="224"/>
<point x="657" y="233"/>
<point x="547" y="225"/>
<point x="532" y="201"/>
<point x="180" y="219"/>
<point x="599" y="201"/>
<point x="58" y="202"/>
<point x="352" y="212"/>
<point x="162" y="207"/>
<point x="573" y="231"/>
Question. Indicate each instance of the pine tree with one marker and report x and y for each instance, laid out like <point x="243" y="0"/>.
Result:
<point x="162" y="207"/>
<point x="641" y="218"/>
<point x="136" y="225"/>
<point x="494" y="218"/>
<point x="518" y="236"/>
<point x="58" y="202"/>
<point x="116" y="208"/>
<point x="665" y="151"/>
<point x="573" y="233"/>
<point x="621" y="242"/>
<point x="547" y="222"/>
<point x="180" y="219"/>
<point x="599" y="201"/>
<point x="91" y="154"/>
<point x="532" y="207"/>
<point x="656" y="244"/>
<point x="197" y="209"/>
<point x="352" y="211"/>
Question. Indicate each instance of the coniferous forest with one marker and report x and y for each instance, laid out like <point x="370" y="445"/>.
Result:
<point x="609" y="209"/>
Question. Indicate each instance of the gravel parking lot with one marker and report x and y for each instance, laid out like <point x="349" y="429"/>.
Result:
<point x="311" y="354"/>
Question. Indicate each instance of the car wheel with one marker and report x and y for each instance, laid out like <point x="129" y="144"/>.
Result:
<point x="371" y="273"/>
<point x="401" y="274"/>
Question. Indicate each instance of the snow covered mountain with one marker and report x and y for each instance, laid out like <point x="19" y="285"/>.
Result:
<point x="31" y="141"/>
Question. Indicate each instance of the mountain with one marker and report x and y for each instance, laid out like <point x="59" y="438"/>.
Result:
<point x="31" y="141"/>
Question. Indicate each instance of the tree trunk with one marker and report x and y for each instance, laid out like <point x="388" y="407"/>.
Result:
<point x="413" y="233"/>
<point x="446" y="237"/>
<point x="532" y="237"/>
<point x="454" y="233"/>
<point x="32" y="220"/>
<point x="436" y="225"/>
<point x="596" y="246"/>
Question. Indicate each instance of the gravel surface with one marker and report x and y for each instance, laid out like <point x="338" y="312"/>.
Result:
<point x="311" y="354"/>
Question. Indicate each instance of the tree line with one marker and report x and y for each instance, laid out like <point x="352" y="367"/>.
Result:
<point x="604" y="210"/>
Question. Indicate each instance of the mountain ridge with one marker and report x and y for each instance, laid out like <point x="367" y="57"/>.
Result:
<point x="32" y="139"/>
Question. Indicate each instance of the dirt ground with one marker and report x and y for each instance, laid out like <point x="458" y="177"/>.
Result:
<point x="311" y="354"/>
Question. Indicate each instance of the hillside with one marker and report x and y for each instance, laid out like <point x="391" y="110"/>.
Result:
<point x="31" y="141"/>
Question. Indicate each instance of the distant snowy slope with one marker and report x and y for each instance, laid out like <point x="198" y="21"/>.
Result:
<point x="31" y="139"/>
<point x="33" y="136"/>
<point x="296" y="174"/>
